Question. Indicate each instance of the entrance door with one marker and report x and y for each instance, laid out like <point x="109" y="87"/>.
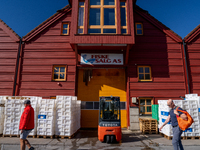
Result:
<point x="95" y="83"/>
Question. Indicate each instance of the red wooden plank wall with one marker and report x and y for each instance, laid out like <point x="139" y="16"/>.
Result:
<point x="39" y="55"/>
<point x="193" y="57"/>
<point x="8" y="56"/>
<point x="164" y="55"/>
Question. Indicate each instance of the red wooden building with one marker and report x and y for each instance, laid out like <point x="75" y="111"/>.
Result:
<point x="9" y="47"/>
<point x="101" y="48"/>
<point x="192" y="50"/>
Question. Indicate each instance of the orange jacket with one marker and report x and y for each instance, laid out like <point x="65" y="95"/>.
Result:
<point x="27" y="119"/>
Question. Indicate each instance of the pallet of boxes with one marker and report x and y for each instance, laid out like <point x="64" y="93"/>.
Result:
<point x="2" y="108"/>
<point x="191" y="104"/>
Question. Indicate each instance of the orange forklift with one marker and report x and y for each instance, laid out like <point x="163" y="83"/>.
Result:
<point x="109" y="128"/>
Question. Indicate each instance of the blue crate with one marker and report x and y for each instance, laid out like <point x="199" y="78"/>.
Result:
<point x="41" y="116"/>
<point x="164" y="113"/>
<point x="163" y="120"/>
<point x="199" y="109"/>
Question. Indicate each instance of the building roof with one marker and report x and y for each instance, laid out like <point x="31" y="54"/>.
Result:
<point x="157" y="23"/>
<point x="9" y="31"/>
<point x="60" y="13"/>
<point x="193" y="34"/>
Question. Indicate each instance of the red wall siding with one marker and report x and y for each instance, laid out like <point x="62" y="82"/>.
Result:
<point x="164" y="55"/>
<point x="40" y="54"/>
<point x="193" y="57"/>
<point x="8" y="56"/>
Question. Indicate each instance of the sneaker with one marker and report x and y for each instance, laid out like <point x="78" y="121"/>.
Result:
<point x="32" y="148"/>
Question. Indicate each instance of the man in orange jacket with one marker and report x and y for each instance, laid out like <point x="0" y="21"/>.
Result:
<point x="26" y="125"/>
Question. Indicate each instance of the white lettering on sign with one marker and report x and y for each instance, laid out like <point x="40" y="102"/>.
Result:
<point x="101" y="59"/>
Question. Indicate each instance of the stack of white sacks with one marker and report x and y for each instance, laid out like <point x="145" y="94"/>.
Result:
<point x="191" y="104"/>
<point x="46" y="117"/>
<point x="67" y="115"/>
<point x="52" y="117"/>
<point x="2" y="103"/>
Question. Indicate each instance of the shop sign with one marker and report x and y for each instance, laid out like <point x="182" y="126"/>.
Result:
<point x="101" y="59"/>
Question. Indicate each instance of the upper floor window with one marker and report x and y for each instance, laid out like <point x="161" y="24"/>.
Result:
<point x="59" y="73"/>
<point x="81" y="17"/>
<point x="65" y="29"/>
<point x="144" y="73"/>
<point x="139" y="28"/>
<point x="123" y="17"/>
<point x="102" y="17"/>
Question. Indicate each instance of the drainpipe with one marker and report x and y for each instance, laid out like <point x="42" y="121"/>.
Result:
<point x="17" y="66"/>
<point x="186" y="66"/>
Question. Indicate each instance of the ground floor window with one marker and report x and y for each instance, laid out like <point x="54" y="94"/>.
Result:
<point x="145" y="105"/>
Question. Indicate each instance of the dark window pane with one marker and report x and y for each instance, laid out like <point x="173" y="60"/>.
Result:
<point x="139" y="31"/>
<point x="141" y="70"/>
<point x="65" y="26"/>
<point x="148" y="108"/>
<point x="139" y="26"/>
<point x="94" y="30"/>
<point x="62" y="76"/>
<point x="94" y="16"/>
<point x="64" y="31"/>
<point x="109" y="30"/>
<point x="142" y="109"/>
<point x="148" y="101"/>
<point x="81" y="3"/>
<point x="56" y="69"/>
<point x="55" y="76"/>
<point x="109" y="2"/>
<point x="147" y="76"/>
<point x="83" y="105"/>
<point x="147" y="70"/>
<point x="80" y="30"/>
<point x="123" y="31"/>
<point x="80" y="16"/>
<point x="141" y="76"/>
<point x="62" y="69"/>
<point x="142" y="101"/>
<point x="89" y="105"/>
<point x="109" y="16"/>
<point x="122" y="3"/>
<point x="123" y="17"/>
<point x="95" y="2"/>
<point x="96" y="105"/>
<point x="122" y="105"/>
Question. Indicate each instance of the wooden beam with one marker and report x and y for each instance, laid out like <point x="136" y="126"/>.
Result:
<point x="127" y="54"/>
<point x="76" y="53"/>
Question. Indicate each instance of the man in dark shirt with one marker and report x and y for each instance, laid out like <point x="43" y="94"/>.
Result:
<point x="176" y="141"/>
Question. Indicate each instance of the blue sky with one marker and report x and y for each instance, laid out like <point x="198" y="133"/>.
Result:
<point x="181" y="16"/>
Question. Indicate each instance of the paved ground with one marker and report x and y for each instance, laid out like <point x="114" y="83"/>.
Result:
<point x="87" y="140"/>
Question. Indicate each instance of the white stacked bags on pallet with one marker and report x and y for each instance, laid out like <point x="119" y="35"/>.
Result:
<point x="46" y="117"/>
<point x="12" y="115"/>
<point x="67" y="115"/>
<point x="2" y="108"/>
<point x="191" y="106"/>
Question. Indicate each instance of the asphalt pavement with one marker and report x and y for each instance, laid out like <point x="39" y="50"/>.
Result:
<point x="88" y="140"/>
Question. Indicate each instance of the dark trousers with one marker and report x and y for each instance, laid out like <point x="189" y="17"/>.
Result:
<point x="176" y="141"/>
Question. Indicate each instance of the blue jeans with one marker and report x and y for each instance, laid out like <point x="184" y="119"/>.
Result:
<point x="176" y="141"/>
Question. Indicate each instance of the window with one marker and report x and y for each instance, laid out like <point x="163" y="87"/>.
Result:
<point x="123" y="17"/>
<point x="94" y="105"/>
<point x="102" y="17"/>
<point x="139" y="28"/>
<point x="65" y="29"/>
<point x="59" y="73"/>
<point x="81" y="17"/>
<point x="144" y="73"/>
<point x="145" y="105"/>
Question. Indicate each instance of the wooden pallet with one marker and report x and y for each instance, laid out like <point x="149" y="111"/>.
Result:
<point x="148" y="125"/>
<point x="32" y="136"/>
<point x="11" y="135"/>
<point x="69" y="137"/>
<point x="45" y="136"/>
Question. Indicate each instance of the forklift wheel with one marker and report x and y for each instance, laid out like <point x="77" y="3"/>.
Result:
<point x="113" y="139"/>
<point x="107" y="139"/>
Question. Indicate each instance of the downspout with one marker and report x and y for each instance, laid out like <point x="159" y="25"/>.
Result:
<point x="186" y="66"/>
<point x="17" y="66"/>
